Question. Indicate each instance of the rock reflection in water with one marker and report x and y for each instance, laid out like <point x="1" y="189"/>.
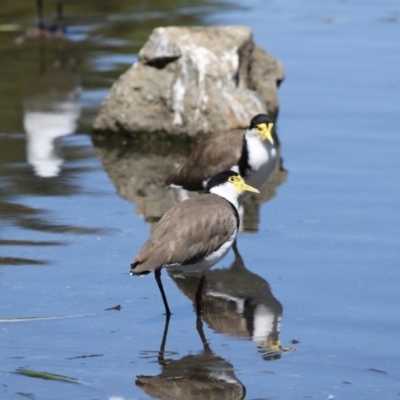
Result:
<point x="138" y="167"/>
<point x="51" y="110"/>
<point x="196" y="376"/>
<point x="239" y="303"/>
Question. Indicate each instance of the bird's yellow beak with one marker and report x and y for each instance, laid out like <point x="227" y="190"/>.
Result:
<point x="241" y="186"/>
<point x="265" y="131"/>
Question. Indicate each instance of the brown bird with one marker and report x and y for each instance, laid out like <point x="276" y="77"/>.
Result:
<point x="196" y="233"/>
<point x="251" y="153"/>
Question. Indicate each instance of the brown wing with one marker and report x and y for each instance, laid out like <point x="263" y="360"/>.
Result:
<point x="215" y="152"/>
<point x="196" y="227"/>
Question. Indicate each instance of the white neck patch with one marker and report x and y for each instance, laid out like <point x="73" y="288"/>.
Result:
<point x="227" y="191"/>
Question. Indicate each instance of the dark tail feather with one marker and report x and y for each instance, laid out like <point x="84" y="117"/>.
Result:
<point x="133" y="272"/>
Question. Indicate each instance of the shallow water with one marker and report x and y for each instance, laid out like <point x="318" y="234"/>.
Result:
<point x="319" y="271"/>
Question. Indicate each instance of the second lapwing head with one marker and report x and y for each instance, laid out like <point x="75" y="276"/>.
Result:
<point x="261" y="126"/>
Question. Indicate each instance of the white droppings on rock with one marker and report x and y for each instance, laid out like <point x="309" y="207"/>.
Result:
<point x="178" y="95"/>
<point x="230" y="63"/>
<point x="243" y="112"/>
<point x="189" y="80"/>
<point x="204" y="61"/>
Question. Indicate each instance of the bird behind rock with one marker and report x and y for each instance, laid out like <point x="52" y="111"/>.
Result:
<point x="251" y="153"/>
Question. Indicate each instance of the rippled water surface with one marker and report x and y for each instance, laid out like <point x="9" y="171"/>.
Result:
<point x="316" y="270"/>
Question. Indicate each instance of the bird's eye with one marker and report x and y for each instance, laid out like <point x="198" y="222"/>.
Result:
<point x="231" y="179"/>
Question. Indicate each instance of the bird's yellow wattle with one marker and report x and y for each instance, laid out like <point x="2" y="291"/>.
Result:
<point x="241" y="186"/>
<point x="265" y="131"/>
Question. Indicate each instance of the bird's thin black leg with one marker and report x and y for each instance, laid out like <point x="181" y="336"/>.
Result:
<point x="39" y="7"/>
<point x="199" y="327"/>
<point x="60" y="15"/>
<point x="161" y="352"/>
<point x="199" y="294"/>
<point x="157" y="274"/>
<point x="60" y="10"/>
<point x="235" y="248"/>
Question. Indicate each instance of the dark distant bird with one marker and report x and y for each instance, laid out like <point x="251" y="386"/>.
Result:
<point x="43" y="30"/>
<point x="196" y="233"/>
<point x="251" y="153"/>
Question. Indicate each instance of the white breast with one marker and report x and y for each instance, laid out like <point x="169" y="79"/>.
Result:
<point x="262" y="160"/>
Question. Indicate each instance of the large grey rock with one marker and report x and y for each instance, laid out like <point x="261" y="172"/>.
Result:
<point x="191" y="80"/>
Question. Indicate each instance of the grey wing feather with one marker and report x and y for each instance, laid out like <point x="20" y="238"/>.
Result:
<point x="196" y="227"/>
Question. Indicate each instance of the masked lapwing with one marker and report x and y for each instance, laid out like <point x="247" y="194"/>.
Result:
<point x="196" y="233"/>
<point x="250" y="152"/>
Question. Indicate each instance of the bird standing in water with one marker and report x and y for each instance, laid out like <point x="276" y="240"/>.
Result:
<point x="42" y="30"/>
<point x="251" y="153"/>
<point x="196" y="233"/>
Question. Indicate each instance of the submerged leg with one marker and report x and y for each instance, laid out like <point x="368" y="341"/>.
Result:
<point x="157" y="274"/>
<point x="199" y="293"/>
<point x="199" y="326"/>
<point x="161" y="360"/>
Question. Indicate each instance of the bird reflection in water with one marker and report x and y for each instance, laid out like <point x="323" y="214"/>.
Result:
<point x="51" y="110"/>
<point x="138" y="165"/>
<point x="239" y="303"/>
<point x="196" y="376"/>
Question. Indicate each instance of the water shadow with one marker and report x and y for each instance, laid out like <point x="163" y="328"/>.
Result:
<point x="35" y="219"/>
<point x="25" y="217"/>
<point x="239" y="303"/>
<point x="195" y="376"/>
<point x="14" y="261"/>
<point x="138" y="166"/>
